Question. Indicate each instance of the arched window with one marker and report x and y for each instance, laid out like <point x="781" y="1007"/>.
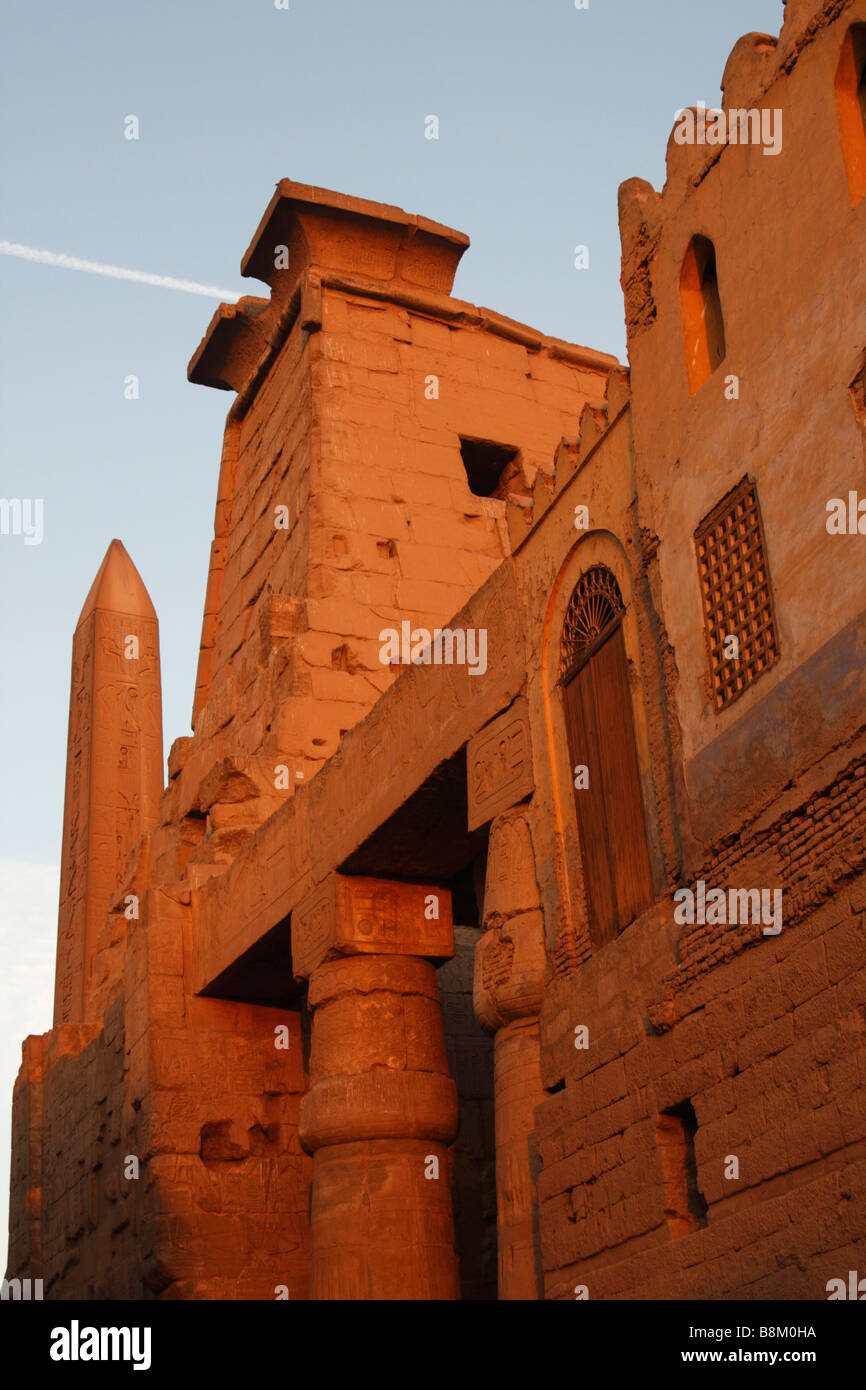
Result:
<point x="703" y="324"/>
<point x="598" y="715"/>
<point x="851" y="108"/>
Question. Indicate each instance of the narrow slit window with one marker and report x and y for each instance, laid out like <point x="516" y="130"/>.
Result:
<point x="685" y="1205"/>
<point x="851" y="108"/>
<point x="703" y="322"/>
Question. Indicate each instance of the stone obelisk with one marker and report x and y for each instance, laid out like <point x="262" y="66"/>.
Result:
<point x="113" y="766"/>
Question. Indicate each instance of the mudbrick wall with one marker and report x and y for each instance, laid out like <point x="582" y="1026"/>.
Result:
<point x="772" y="1066"/>
<point x="765" y="1041"/>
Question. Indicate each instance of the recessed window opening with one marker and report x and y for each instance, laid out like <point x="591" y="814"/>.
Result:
<point x="685" y="1205"/>
<point x="851" y="108"/>
<point x="491" y="469"/>
<point x="703" y="322"/>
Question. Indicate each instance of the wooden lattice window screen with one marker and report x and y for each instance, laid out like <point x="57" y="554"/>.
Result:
<point x="735" y="589"/>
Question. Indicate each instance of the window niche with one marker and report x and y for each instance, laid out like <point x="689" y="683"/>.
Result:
<point x="685" y="1205"/>
<point x="851" y="108"/>
<point x="703" y="321"/>
<point x="491" y="469"/>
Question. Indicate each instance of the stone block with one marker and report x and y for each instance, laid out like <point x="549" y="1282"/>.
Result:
<point x="359" y="916"/>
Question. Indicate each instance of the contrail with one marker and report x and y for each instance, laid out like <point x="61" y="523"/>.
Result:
<point x="32" y="253"/>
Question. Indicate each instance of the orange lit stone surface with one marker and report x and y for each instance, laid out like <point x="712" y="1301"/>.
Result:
<point x="114" y="772"/>
<point x="382" y="1023"/>
<point x="358" y="916"/>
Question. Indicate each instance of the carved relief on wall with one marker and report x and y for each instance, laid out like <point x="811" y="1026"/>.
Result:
<point x="359" y="916"/>
<point x="114" y="776"/>
<point x="499" y="765"/>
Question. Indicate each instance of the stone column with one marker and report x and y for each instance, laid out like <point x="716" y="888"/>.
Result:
<point x="382" y="1108"/>
<point x="510" y="975"/>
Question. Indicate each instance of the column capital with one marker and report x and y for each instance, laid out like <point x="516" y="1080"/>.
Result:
<point x="345" y="915"/>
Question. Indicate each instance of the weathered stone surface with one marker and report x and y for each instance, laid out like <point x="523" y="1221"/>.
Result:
<point x="114" y="772"/>
<point x="249" y="1009"/>
<point x="378" y="1118"/>
<point x="499" y="765"/>
<point x="359" y="916"/>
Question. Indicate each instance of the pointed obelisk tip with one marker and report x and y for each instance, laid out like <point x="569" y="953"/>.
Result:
<point x="117" y="588"/>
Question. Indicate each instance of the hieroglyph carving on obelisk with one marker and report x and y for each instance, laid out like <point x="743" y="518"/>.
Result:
<point x="113" y="765"/>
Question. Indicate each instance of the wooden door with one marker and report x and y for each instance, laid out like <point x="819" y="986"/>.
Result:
<point x="610" y="813"/>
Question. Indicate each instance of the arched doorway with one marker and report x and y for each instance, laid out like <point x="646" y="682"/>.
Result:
<point x="607" y="790"/>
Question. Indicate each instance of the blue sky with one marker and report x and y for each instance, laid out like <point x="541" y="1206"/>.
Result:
<point x="544" y="110"/>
